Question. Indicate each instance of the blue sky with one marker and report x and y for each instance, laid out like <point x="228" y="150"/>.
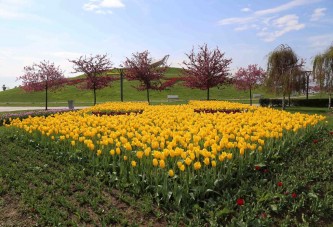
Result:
<point x="57" y="30"/>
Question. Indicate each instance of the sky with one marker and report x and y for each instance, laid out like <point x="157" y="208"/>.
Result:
<point x="246" y="31"/>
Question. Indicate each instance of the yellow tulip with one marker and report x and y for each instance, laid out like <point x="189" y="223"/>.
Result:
<point x="162" y="164"/>
<point x="155" y="162"/>
<point x="112" y="152"/>
<point x="197" y="165"/>
<point x="133" y="163"/>
<point x="171" y="173"/>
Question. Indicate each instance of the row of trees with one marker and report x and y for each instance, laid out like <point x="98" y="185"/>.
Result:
<point x="203" y="70"/>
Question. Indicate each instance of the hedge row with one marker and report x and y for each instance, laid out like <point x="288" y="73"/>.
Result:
<point x="294" y="102"/>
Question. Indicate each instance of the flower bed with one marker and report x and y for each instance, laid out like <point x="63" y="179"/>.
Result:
<point x="114" y="113"/>
<point x="174" y="152"/>
<point x="216" y="111"/>
<point x="7" y="117"/>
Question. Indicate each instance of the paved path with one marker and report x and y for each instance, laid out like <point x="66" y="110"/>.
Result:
<point x="17" y="108"/>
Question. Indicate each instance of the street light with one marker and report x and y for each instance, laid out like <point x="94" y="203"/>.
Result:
<point x="121" y="73"/>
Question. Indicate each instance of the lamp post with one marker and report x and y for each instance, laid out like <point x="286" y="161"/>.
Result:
<point x="307" y="76"/>
<point x="121" y="73"/>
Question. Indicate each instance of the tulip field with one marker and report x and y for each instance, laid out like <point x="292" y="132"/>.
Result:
<point x="182" y="155"/>
<point x="171" y="146"/>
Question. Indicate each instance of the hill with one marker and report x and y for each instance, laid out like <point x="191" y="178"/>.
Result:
<point x="18" y="96"/>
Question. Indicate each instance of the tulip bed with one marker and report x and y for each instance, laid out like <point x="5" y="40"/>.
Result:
<point x="183" y="155"/>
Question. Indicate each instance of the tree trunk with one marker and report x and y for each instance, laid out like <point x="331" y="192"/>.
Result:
<point x="94" y="96"/>
<point x="46" y="88"/>
<point x="283" y="102"/>
<point x="148" y="95"/>
<point x="307" y="86"/>
<point x="250" y="97"/>
<point x="289" y="99"/>
<point x="121" y="86"/>
<point x="207" y="93"/>
<point x="329" y="101"/>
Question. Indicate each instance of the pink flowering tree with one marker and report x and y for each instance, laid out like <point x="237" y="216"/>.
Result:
<point x="205" y="69"/>
<point x="44" y="76"/>
<point x="95" y="69"/>
<point x="249" y="78"/>
<point x="141" y="68"/>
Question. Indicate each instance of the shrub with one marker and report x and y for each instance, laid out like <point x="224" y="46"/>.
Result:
<point x="276" y="102"/>
<point x="310" y="102"/>
<point x="264" y="102"/>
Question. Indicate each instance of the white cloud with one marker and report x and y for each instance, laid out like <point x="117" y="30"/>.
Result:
<point x="320" y="42"/>
<point x="103" y="6"/>
<point x="112" y="3"/>
<point x="284" y="7"/>
<point x="279" y="27"/>
<point x="269" y="21"/>
<point x="236" y="20"/>
<point x="246" y="27"/>
<point x="246" y="9"/>
<point x="317" y="14"/>
<point x="13" y="9"/>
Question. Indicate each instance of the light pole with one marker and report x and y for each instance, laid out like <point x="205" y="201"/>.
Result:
<point x="121" y="73"/>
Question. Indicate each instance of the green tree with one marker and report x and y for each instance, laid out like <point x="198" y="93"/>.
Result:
<point x="323" y="72"/>
<point x="283" y="64"/>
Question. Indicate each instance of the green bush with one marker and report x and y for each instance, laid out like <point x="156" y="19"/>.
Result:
<point x="310" y="102"/>
<point x="264" y="102"/>
<point x="276" y="102"/>
<point x="295" y="102"/>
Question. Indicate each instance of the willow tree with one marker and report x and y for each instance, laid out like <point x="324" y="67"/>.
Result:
<point x="323" y="72"/>
<point x="282" y="66"/>
<point x="297" y="80"/>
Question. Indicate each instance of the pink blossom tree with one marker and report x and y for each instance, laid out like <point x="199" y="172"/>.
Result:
<point x="249" y="78"/>
<point x="205" y="69"/>
<point x="43" y="76"/>
<point x="95" y="69"/>
<point x="141" y="67"/>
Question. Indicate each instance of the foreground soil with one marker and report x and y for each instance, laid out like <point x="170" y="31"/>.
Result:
<point x="37" y="188"/>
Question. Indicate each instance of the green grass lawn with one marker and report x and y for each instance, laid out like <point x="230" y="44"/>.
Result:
<point x="18" y="97"/>
<point x="45" y="187"/>
<point x="40" y="185"/>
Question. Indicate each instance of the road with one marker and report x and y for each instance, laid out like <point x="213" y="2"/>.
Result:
<point x="18" y="108"/>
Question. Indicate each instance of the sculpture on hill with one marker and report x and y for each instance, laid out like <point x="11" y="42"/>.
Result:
<point x="4" y="87"/>
<point x="160" y="62"/>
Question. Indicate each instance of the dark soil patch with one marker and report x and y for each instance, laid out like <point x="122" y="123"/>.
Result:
<point x="12" y="213"/>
